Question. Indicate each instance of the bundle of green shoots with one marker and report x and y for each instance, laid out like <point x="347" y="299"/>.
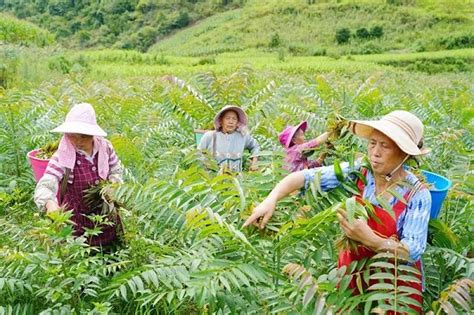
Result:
<point x="47" y="151"/>
<point x="354" y="211"/>
<point x="100" y="200"/>
<point x="337" y="128"/>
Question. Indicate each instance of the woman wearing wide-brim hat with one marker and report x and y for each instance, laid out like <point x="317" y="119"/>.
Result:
<point x="392" y="140"/>
<point x="292" y="138"/>
<point x="227" y="143"/>
<point x="83" y="159"/>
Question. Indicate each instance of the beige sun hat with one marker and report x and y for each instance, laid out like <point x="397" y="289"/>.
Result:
<point x="404" y="128"/>
<point x="81" y="119"/>
<point x="240" y="113"/>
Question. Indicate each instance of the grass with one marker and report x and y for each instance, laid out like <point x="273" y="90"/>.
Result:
<point x="108" y="64"/>
<point x="15" y="31"/>
<point x="305" y="29"/>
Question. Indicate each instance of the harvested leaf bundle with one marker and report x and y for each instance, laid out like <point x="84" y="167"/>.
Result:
<point x="336" y="126"/>
<point x="354" y="211"/>
<point x="100" y="200"/>
<point x="47" y="151"/>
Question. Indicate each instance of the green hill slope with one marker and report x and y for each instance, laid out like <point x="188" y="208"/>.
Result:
<point x="16" y="31"/>
<point x="300" y="28"/>
<point x="128" y="24"/>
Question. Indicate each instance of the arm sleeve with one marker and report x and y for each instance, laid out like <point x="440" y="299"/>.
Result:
<point x="252" y="145"/>
<point x="46" y="190"/>
<point x="328" y="176"/>
<point x="415" y="225"/>
<point x="308" y="145"/>
<point x="115" y="166"/>
<point x="205" y="142"/>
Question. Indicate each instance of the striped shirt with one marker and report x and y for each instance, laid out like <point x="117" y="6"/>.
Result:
<point x="412" y="225"/>
<point x="48" y="186"/>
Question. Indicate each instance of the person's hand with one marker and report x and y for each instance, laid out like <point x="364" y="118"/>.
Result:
<point x="52" y="206"/>
<point x="265" y="210"/>
<point x="253" y="167"/>
<point x="358" y="231"/>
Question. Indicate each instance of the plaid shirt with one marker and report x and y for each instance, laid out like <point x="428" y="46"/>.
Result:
<point x="83" y="176"/>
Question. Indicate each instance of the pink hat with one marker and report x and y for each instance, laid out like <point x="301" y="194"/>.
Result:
<point x="286" y="136"/>
<point x="81" y="119"/>
<point x="240" y="113"/>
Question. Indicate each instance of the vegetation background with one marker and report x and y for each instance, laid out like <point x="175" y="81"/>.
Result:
<point x="155" y="71"/>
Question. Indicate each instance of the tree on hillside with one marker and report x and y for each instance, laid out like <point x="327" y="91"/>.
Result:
<point x="376" y="31"/>
<point x="145" y="38"/>
<point x="343" y="35"/>
<point x="362" y="33"/>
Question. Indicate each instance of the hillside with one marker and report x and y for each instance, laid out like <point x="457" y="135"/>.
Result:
<point x="15" y="31"/>
<point x="300" y="28"/>
<point x="296" y="27"/>
<point x="123" y="24"/>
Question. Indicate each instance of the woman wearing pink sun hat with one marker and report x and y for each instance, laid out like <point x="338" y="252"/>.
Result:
<point x="292" y="139"/>
<point x="83" y="159"/>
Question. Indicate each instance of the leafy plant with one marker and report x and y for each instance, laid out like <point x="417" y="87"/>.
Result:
<point x="343" y="35"/>
<point x="47" y="150"/>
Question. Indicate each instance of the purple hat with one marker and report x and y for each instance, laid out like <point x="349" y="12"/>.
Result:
<point x="240" y="113"/>
<point x="286" y="136"/>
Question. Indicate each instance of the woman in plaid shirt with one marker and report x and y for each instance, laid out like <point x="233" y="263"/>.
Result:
<point x="85" y="158"/>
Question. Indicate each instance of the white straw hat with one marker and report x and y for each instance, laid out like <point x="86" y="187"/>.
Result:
<point x="240" y="113"/>
<point x="81" y="119"/>
<point x="404" y="128"/>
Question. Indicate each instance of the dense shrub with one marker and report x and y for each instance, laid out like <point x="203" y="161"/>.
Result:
<point x="60" y="64"/>
<point x="145" y="38"/>
<point x="376" y="31"/>
<point x="460" y="41"/>
<point x="182" y="20"/>
<point x="362" y="33"/>
<point x="275" y="41"/>
<point x="343" y="35"/>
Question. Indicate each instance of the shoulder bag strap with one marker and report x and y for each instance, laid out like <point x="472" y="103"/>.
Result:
<point x="67" y="173"/>
<point x="214" y="140"/>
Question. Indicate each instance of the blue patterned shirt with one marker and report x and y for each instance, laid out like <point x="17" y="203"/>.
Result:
<point x="412" y="224"/>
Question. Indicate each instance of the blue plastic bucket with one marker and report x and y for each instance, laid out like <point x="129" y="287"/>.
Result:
<point x="198" y="133"/>
<point x="439" y="186"/>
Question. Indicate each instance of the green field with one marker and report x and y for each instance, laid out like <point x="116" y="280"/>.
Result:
<point x="184" y="249"/>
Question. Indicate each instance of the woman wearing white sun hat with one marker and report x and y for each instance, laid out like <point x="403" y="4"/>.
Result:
<point x="392" y="140"/>
<point x="84" y="158"/>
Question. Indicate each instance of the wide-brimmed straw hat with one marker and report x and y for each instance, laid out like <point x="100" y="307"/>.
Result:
<point x="286" y="136"/>
<point x="404" y="128"/>
<point x="81" y="119"/>
<point x="240" y="114"/>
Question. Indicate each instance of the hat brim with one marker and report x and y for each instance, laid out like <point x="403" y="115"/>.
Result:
<point x="302" y="125"/>
<point x="81" y="128"/>
<point x="364" y="129"/>
<point x="240" y="113"/>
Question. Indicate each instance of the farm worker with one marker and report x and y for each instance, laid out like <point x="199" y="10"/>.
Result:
<point x="296" y="149"/>
<point x="83" y="159"/>
<point x="230" y="138"/>
<point x="393" y="139"/>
